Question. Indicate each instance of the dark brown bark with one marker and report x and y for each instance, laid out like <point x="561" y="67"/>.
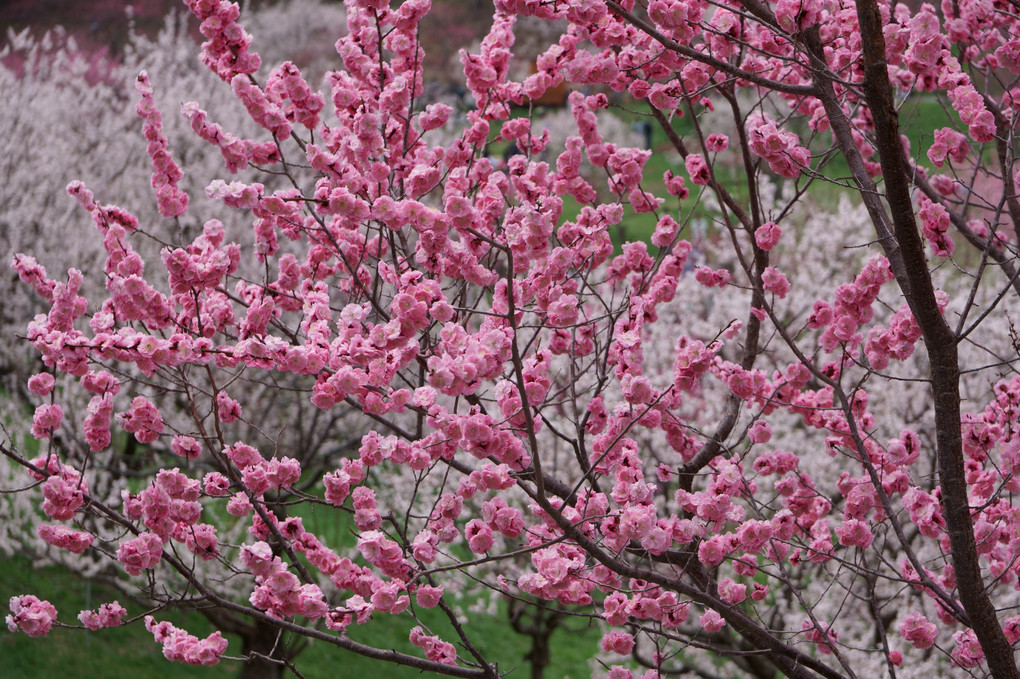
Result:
<point x="538" y="623"/>
<point x="265" y="651"/>
<point x="941" y="344"/>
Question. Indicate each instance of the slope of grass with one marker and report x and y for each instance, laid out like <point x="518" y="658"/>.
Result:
<point x="130" y="651"/>
<point x="119" y="653"/>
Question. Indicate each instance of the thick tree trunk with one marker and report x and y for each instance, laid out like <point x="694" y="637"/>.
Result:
<point x="941" y="344"/>
<point x="538" y="625"/>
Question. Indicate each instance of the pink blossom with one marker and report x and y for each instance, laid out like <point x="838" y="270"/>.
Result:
<point x="63" y="537"/>
<point x="435" y="648"/>
<point x="97" y="421"/>
<point x="201" y="540"/>
<point x="617" y="642"/>
<point x="140" y="553"/>
<point x="615" y="609"/>
<point x="143" y="420"/>
<point x="107" y="615"/>
<point x="854" y="533"/>
<point x="916" y="629"/>
<point x="63" y="494"/>
<point x="711" y="621"/>
<point x="31" y="615"/>
<point x="780" y="148"/>
<point x="185" y="446"/>
<point x="227" y="408"/>
<point x="767" y="235"/>
<point x="428" y="596"/>
<point x="775" y="281"/>
<point x="712" y="278"/>
<point x="823" y="638"/>
<point x="479" y="536"/>
<point x="172" y="201"/>
<point x="760" y="432"/>
<point x="216" y="484"/>
<point x="239" y="505"/>
<point x="46" y="420"/>
<point x="179" y="646"/>
<point x="698" y="169"/>
<point x="717" y="142"/>
<point x="732" y="592"/>
<point x="41" y="384"/>
<point x="948" y="143"/>
<point x="712" y="551"/>
<point x="967" y="653"/>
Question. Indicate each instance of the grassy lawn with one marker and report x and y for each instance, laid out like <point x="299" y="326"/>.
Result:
<point x="130" y="651"/>
<point x="119" y="653"/>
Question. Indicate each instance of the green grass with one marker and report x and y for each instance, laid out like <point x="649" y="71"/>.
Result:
<point x="119" y="653"/>
<point x="130" y="651"/>
<point x="492" y="635"/>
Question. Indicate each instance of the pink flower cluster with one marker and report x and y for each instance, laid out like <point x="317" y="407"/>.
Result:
<point x="143" y="420"/>
<point x="141" y="553"/>
<point x="179" y="646"/>
<point x="41" y="384"/>
<point x="261" y="107"/>
<point x="286" y="83"/>
<point x="648" y="603"/>
<point x="202" y="265"/>
<point x="767" y="235"/>
<point x="382" y="552"/>
<point x="98" y="415"/>
<point x="967" y="653"/>
<point x="46" y="420"/>
<point x="693" y="359"/>
<point x="185" y="446"/>
<point x="678" y="18"/>
<point x="338" y="483"/>
<point x="617" y="642"/>
<point x="107" y="615"/>
<point x="823" y="636"/>
<point x="466" y="359"/>
<point x="896" y="342"/>
<point x="435" y="648"/>
<point x="935" y="227"/>
<point x="274" y="474"/>
<point x="712" y="278"/>
<point x="237" y="153"/>
<point x="226" y="51"/>
<point x="948" y="143"/>
<point x="62" y="537"/>
<point x="775" y="281"/>
<point x="170" y="199"/>
<point x="795" y="15"/>
<point x="698" y="169"/>
<point x="277" y="590"/>
<point x="64" y="490"/>
<point x="31" y="615"/>
<point x="966" y="100"/>
<point x="853" y="306"/>
<point x="780" y="148"/>
<point x="32" y="272"/>
<point x="916" y="629"/>
<point x="169" y="507"/>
